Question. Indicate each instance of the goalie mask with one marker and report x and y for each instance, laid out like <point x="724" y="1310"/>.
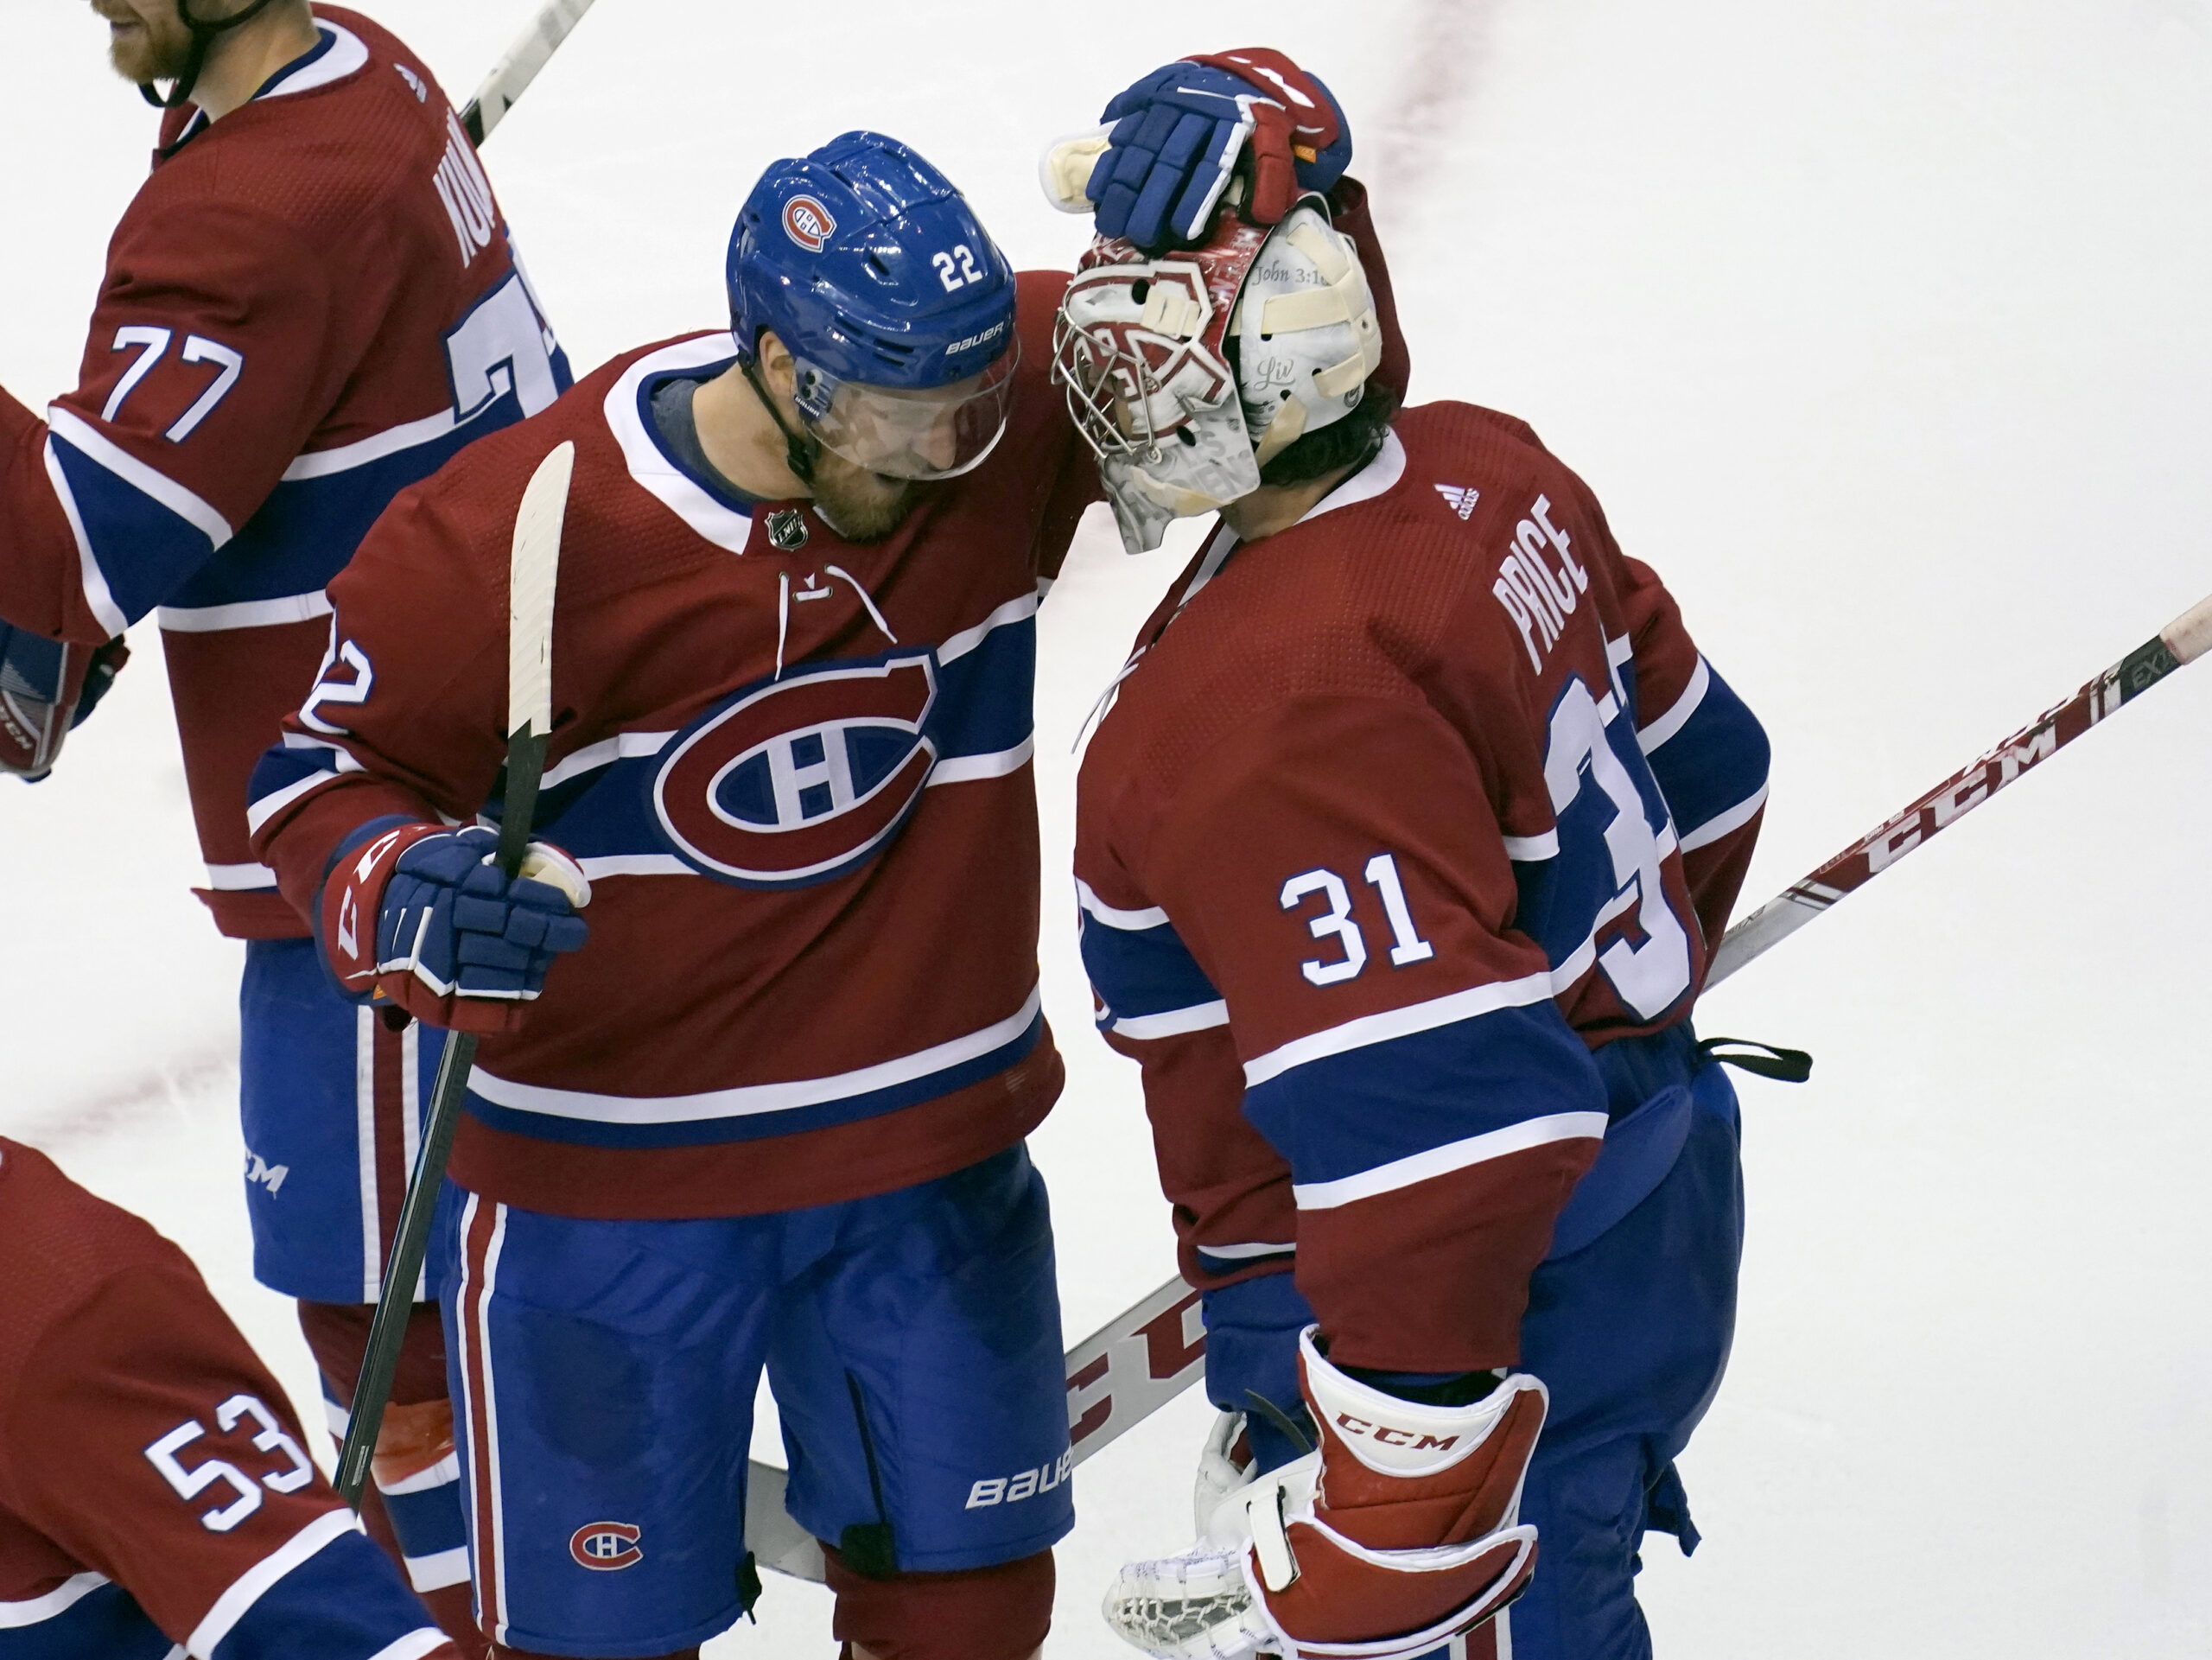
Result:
<point x="1188" y="372"/>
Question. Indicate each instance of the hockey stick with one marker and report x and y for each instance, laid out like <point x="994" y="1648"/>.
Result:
<point x="512" y="75"/>
<point x="532" y="572"/>
<point x="1144" y="1358"/>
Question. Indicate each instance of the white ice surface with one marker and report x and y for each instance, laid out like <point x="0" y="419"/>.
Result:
<point x="1880" y="327"/>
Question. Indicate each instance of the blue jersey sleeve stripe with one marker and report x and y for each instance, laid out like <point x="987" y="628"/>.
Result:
<point x="1714" y="763"/>
<point x="1393" y="1023"/>
<point x="1350" y="1113"/>
<point x="1444" y="1160"/>
<point x="139" y="534"/>
<point x="343" y="1603"/>
<point x="1143" y="973"/>
<point x="87" y="1615"/>
<point x="250" y="1586"/>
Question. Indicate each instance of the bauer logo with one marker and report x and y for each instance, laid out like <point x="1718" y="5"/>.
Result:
<point x="603" y="1547"/>
<point x="804" y="779"/>
<point x="1028" y="1484"/>
<point x="808" y="223"/>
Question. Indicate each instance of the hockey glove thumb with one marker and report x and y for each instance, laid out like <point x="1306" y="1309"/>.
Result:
<point x="421" y="916"/>
<point x="47" y="689"/>
<point x="1401" y="1533"/>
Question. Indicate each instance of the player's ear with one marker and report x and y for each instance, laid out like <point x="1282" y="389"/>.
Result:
<point x="778" y="372"/>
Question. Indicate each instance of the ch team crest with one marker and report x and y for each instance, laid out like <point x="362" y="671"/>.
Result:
<point x="804" y="779"/>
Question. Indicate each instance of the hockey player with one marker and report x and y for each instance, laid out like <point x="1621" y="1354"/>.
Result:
<point x="1399" y="854"/>
<point x="310" y="304"/>
<point x="155" y="1497"/>
<point x="774" y="1111"/>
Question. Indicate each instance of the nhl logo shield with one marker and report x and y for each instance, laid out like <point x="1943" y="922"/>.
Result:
<point x="802" y="779"/>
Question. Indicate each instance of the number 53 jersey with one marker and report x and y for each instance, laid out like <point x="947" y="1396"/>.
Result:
<point x="155" y="1497"/>
<point x="1397" y="817"/>
<point x="311" y="304"/>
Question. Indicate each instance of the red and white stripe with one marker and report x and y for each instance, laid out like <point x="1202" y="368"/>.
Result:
<point x="387" y="1125"/>
<point x="484" y="1232"/>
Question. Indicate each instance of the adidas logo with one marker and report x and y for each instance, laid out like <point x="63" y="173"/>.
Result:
<point x="1459" y="500"/>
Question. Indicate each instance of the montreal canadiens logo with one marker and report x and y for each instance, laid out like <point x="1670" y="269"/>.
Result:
<point x="808" y="223"/>
<point x="804" y="779"/>
<point x="605" y="1546"/>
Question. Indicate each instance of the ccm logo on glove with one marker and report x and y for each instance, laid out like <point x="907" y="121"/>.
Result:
<point x="1389" y="1436"/>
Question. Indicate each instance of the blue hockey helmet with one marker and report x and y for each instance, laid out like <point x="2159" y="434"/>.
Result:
<point x="897" y="307"/>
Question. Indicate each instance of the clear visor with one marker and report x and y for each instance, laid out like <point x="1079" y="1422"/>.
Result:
<point x="938" y="432"/>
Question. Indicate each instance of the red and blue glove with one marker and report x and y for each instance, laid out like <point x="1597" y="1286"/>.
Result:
<point x="47" y="689"/>
<point x="1180" y="135"/>
<point x="421" y="917"/>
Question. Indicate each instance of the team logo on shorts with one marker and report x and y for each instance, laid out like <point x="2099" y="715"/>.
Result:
<point x="604" y="1547"/>
<point x="804" y="779"/>
<point x="808" y="223"/>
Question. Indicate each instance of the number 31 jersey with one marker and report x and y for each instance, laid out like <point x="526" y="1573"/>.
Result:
<point x="155" y="1497"/>
<point x="311" y="304"/>
<point x="1397" y="815"/>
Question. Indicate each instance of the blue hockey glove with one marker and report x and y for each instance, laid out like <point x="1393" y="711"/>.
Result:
<point x="47" y="689"/>
<point x="1180" y="135"/>
<point x="420" y="916"/>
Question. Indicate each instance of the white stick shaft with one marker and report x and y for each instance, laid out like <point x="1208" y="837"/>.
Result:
<point x="531" y="576"/>
<point x="2190" y="635"/>
<point x="511" y="76"/>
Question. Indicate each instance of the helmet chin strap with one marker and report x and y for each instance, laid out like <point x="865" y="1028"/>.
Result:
<point x="799" y="453"/>
<point x="203" y="38"/>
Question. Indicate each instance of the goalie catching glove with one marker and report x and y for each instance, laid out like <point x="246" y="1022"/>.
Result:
<point x="421" y="916"/>
<point x="1398" y="1534"/>
<point x="1247" y="125"/>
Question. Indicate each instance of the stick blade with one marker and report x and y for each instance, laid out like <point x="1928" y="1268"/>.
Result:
<point x="532" y="576"/>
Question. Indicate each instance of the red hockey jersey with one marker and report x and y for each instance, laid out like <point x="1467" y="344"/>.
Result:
<point x="799" y="778"/>
<point x="153" y="1486"/>
<point x="310" y="305"/>
<point x="1397" y="814"/>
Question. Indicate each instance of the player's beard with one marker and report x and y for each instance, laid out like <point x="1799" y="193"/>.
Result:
<point x="860" y="505"/>
<point x="145" y="50"/>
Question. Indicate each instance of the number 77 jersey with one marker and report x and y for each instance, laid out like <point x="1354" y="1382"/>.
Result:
<point x="1397" y="817"/>
<point x="310" y="305"/>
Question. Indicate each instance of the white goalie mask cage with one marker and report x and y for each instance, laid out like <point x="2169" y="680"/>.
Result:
<point x="1143" y="347"/>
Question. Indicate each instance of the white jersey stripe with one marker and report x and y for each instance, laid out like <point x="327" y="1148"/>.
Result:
<point x="1443" y="1161"/>
<point x="245" y="613"/>
<point x="746" y="1100"/>
<point x="1720" y="823"/>
<point x="98" y="447"/>
<point x="98" y="596"/>
<point x="1397" y="1023"/>
<point x="1171" y="1023"/>
<point x="968" y="769"/>
<point x="415" y="1643"/>
<point x="364" y="1150"/>
<point x="1676" y="718"/>
<point x="1129" y="921"/>
<point x="36" y="1611"/>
